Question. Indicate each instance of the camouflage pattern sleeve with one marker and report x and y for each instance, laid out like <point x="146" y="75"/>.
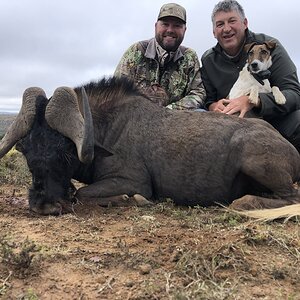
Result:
<point x="129" y="61"/>
<point x="195" y="92"/>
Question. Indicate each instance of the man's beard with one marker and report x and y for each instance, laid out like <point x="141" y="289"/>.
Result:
<point x="169" y="46"/>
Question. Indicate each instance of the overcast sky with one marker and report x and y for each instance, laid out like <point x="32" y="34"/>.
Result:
<point x="50" y="43"/>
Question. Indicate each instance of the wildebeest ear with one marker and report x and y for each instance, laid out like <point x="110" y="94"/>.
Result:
<point x="102" y="150"/>
<point x="270" y="44"/>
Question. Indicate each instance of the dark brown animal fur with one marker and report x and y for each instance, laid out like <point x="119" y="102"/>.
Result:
<point x="142" y="151"/>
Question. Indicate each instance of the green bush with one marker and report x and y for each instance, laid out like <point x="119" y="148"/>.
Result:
<point x="14" y="170"/>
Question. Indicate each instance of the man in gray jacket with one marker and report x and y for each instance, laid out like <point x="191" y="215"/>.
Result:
<point x="221" y="66"/>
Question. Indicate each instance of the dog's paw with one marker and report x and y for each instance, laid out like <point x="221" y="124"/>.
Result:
<point x="253" y="100"/>
<point x="254" y="95"/>
<point x="280" y="100"/>
<point x="278" y="96"/>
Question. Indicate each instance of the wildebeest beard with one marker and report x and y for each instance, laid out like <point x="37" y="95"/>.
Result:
<point x="51" y="159"/>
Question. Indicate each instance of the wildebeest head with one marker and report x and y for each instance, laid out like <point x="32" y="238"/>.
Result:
<point x="55" y="138"/>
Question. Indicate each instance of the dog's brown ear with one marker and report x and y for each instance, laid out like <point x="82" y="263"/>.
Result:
<point x="270" y="44"/>
<point x="248" y="47"/>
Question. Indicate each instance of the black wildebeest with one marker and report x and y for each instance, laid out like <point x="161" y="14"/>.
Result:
<point x="127" y="149"/>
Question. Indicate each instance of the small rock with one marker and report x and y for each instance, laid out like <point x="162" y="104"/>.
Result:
<point x="145" y="269"/>
<point x="129" y="283"/>
<point x="148" y="218"/>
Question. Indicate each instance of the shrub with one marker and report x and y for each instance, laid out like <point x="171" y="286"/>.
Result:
<point x="13" y="169"/>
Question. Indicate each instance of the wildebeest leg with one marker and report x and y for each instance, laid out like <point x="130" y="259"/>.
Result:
<point x="124" y="200"/>
<point x="251" y="202"/>
<point x="102" y="193"/>
<point x="276" y="174"/>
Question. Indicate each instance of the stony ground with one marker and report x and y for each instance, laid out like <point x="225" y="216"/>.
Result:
<point x="163" y="252"/>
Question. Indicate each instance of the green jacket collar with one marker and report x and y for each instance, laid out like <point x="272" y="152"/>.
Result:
<point x="151" y="51"/>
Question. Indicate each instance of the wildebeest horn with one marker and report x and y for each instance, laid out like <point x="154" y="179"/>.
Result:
<point x="63" y="114"/>
<point x="24" y="120"/>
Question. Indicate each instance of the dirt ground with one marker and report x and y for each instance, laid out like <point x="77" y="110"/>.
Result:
<point x="162" y="252"/>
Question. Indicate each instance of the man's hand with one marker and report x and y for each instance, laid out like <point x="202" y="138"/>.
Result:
<point x="240" y="106"/>
<point x="157" y="94"/>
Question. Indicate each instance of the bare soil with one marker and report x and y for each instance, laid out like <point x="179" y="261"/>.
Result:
<point x="162" y="252"/>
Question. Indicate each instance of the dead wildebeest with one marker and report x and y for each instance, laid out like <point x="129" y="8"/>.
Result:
<point x="127" y="149"/>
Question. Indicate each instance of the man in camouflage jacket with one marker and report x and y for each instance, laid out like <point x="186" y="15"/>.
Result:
<point x="168" y="73"/>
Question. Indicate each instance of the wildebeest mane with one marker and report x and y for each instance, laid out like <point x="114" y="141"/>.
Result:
<point x="108" y="92"/>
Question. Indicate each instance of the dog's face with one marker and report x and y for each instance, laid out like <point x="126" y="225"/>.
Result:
<point x="259" y="56"/>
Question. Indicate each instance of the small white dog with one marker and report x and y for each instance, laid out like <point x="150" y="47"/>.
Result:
<point x="253" y="79"/>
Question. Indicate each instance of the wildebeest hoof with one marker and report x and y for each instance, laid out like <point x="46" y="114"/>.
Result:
<point x="141" y="200"/>
<point x="119" y="200"/>
<point x="125" y="201"/>
<point x="247" y="202"/>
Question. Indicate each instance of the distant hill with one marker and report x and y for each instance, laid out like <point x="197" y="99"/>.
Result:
<point x="5" y="120"/>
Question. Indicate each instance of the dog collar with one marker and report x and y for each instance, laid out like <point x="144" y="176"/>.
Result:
<point x="261" y="76"/>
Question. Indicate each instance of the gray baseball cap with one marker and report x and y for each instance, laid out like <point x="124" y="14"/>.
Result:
<point x="172" y="10"/>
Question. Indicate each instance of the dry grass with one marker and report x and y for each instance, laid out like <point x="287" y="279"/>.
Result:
<point x="14" y="170"/>
<point x="161" y="252"/>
